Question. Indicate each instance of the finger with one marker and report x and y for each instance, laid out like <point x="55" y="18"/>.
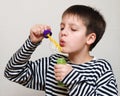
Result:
<point x="57" y="74"/>
<point x="47" y="27"/>
<point x="57" y="70"/>
<point x="58" y="66"/>
<point x="38" y="28"/>
<point x="58" y="78"/>
<point x="43" y="27"/>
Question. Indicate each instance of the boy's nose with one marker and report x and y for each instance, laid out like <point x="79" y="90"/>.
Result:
<point x="64" y="33"/>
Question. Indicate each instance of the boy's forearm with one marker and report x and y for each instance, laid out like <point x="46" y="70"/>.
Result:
<point x="19" y="60"/>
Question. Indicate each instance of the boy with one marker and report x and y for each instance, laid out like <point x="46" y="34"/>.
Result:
<point x="84" y="75"/>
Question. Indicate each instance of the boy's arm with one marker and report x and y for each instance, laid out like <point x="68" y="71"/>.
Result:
<point x="106" y="85"/>
<point x="95" y="79"/>
<point x="19" y="69"/>
<point x="79" y="83"/>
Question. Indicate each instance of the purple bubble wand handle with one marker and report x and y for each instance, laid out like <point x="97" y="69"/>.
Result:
<point x="46" y="33"/>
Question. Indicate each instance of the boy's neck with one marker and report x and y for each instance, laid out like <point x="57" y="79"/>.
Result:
<point x="79" y="58"/>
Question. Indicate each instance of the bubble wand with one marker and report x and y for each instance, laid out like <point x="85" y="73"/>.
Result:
<point x="47" y="34"/>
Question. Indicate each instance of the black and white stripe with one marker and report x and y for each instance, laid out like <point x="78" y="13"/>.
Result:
<point x="94" y="78"/>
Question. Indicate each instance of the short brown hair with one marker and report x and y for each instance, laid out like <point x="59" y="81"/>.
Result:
<point x="92" y="19"/>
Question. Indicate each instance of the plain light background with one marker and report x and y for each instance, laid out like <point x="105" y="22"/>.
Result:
<point x="17" y="16"/>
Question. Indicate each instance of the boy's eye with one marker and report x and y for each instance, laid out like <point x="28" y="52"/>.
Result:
<point x="73" y="29"/>
<point x="61" y="29"/>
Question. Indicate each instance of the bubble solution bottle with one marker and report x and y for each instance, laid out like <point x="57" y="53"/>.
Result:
<point x="61" y="61"/>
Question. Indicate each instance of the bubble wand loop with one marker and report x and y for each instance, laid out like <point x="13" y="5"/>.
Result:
<point x="47" y="34"/>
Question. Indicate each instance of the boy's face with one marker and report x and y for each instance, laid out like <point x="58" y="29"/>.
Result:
<point x="72" y="36"/>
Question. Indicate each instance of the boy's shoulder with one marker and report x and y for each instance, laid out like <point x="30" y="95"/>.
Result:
<point x="102" y="64"/>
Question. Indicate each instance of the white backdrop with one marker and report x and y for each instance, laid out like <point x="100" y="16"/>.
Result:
<point x="17" y="16"/>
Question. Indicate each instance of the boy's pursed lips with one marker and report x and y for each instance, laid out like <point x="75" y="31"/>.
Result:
<point x="62" y="43"/>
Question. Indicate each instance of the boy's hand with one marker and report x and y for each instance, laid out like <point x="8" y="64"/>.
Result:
<point x="36" y="32"/>
<point x="61" y="70"/>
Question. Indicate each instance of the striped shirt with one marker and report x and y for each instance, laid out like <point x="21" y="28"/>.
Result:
<point x="94" y="78"/>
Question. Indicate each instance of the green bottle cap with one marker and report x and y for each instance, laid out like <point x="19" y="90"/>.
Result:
<point x="61" y="61"/>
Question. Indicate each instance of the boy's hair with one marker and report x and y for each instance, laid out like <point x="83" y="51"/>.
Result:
<point x="92" y="19"/>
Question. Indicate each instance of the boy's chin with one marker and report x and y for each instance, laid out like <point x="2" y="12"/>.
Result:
<point x="64" y="51"/>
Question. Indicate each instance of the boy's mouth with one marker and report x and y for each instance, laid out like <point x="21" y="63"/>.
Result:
<point x="62" y="43"/>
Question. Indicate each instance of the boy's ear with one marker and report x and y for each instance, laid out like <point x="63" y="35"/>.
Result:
<point x="91" y="38"/>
